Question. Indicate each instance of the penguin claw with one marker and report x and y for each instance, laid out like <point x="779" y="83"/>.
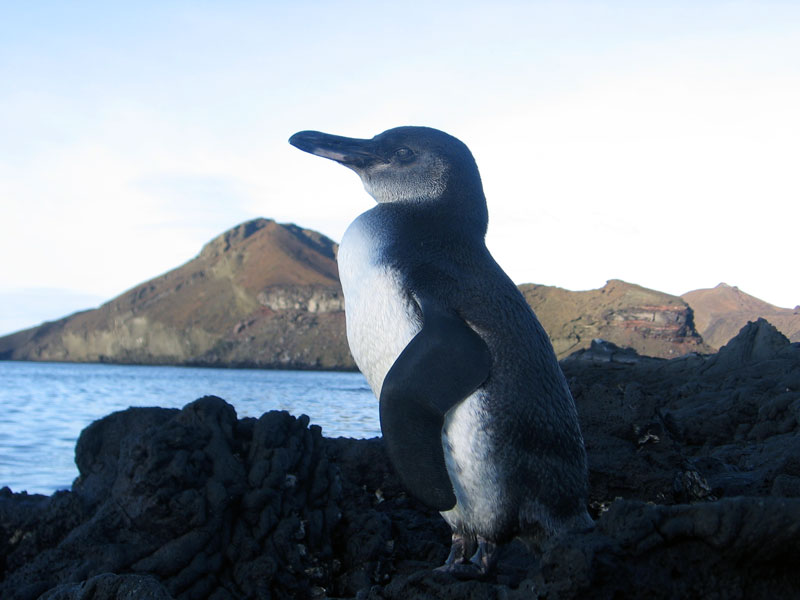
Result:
<point x="479" y="566"/>
<point x="485" y="557"/>
<point x="461" y="547"/>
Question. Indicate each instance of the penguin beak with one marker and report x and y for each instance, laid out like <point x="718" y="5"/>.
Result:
<point x="351" y="152"/>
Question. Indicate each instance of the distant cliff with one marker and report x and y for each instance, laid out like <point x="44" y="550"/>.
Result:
<point x="650" y="322"/>
<point x="720" y="312"/>
<point x="267" y="295"/>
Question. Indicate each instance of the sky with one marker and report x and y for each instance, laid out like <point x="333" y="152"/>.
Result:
<point x="651" y="142"/>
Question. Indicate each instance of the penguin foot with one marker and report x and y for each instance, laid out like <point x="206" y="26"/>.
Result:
<point x="485" y="557"/>
<point x="478" y="566"/>
<point x="461" y="548"/>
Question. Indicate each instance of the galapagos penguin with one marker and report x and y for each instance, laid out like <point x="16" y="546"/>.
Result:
<point x="475" y="412"/>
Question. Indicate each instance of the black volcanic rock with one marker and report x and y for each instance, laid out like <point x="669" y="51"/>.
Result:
<point x="695" y="486"/>
<point x="209" y="505"/>
<point x="756" y="342"/>
<point x="109" y="585"/>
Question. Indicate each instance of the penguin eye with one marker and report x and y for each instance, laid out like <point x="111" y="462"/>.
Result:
<point x="404" y="154"/>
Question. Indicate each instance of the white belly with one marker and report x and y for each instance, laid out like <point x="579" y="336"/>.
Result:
<point x="381" y="319"/>
<point x="467" y="453"/>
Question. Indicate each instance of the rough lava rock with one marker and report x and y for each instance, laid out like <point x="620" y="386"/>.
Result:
<point x="695" y="477"/>
<point x="208" y="505"/>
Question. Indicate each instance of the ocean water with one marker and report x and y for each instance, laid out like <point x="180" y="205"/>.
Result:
<point x="44" y="407"/>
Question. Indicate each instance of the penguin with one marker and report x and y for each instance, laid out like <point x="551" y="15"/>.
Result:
<point x="475" y="412"/>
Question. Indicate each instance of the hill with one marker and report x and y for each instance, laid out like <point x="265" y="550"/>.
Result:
<point x="261" y="294"/>
<point x="652" y="323"/>
<point x="720" y="313"/>
<point x="267" y="295"/>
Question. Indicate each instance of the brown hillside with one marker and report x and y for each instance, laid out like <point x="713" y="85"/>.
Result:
<point x="722" y="311"/>
<point x="267" y="295"/>
<point x="211" y="309"/>
<point x="650" y="322"/>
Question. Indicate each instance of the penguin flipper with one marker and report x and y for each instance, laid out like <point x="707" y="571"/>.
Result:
<point x="441" y="366"/>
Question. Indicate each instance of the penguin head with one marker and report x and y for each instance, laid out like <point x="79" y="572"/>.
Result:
<point x="405" y="164"/>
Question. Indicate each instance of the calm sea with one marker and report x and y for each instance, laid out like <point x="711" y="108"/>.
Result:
<point x="44" y="407"/>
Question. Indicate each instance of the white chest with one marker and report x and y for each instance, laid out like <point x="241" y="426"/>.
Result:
<point x="381" y="319"/>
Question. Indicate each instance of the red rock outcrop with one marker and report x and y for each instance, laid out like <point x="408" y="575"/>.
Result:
<point x="650" y="322"/>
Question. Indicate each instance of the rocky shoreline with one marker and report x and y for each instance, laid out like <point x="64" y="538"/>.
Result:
<point x="695" y="487"/>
